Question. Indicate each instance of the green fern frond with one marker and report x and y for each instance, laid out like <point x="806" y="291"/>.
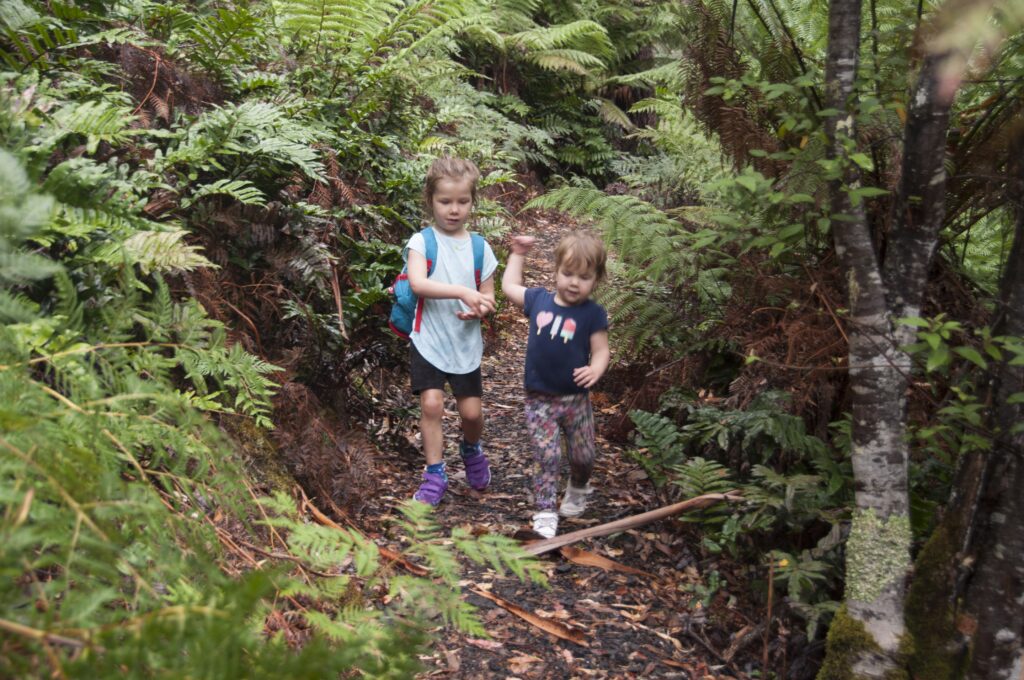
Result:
<point x="28" y="36"/>
<point x="222" y="38"/>
<point x="641" y="233"/>
<point x="16" y="308"/>
<point x="699" y="476"/>
<point x="252" y="129"/>
<point x="153" y="251"/>
<point x="671" y="75"/>
<point x="575" y="61"/>
<point x="582" y="35"/>
<point x="611" y="113"/>
<point x="242" y="191"/>
<point x="96" y="121"/>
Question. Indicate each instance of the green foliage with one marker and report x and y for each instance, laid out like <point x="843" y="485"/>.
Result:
<point x="806" y="489"/>
<point x="110" y="472"/>
<point x="22" y="212"/>
<point x="662" y="258"/>
<point x="564" y="61"/>
<point x="660" y="442"/>
<point x="29" y="36"/>
<point x="956" y="366"/>
<point x="220" y="39"/>
<point x="234" y="136"/>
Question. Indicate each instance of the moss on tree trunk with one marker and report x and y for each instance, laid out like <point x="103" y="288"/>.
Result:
<point x="929" y="612"/>
<point x="849" y="642"/>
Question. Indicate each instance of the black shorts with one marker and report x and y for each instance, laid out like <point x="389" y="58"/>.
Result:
<point x="426" y="376"/>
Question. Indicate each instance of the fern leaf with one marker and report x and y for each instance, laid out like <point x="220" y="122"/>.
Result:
<point x="611" y="113"/>
<point x="160" y="251"/>
<point x="96" y="121"/>
<point x="575" y="61"/>
<point x="242" y="191"/>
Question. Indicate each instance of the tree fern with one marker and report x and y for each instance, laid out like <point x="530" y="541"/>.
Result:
<point x="575" y="61"/>
<point x="641" y="233"/>
<point x="583" y="34"/>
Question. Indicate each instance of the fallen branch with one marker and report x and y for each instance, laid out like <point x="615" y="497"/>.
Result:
<point x="547" y="545"/>
<point x="553" y="627"/>
<point x="589" y="559"/>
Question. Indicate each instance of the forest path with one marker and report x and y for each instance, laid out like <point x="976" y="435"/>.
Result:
<point x="627" y="625"/>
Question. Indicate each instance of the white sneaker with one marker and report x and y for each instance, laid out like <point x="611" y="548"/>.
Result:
<point x="545" y="523"/>
<point x="574" y="502"/>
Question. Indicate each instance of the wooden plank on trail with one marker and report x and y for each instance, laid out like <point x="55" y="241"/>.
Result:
<point x="547" y="545"/>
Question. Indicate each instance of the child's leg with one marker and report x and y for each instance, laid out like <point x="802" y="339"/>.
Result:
<point x="478" y="468"/>
<point x="471" y="413"/>
<point x="468" y="389"/>
<point x="428" y="382"/>
<point x="431" y="425"/>
<point x="542" y="426"/>
<point x="578" y="422"/>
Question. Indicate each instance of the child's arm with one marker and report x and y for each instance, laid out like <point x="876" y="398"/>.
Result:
<point x="512" y="280"/>
<point x="478" y="301"/>
<point x="587" y="376"/>
<point x="487" y="288"/>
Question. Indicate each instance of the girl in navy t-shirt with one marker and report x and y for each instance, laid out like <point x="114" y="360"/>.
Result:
<point x="566" y="353"/>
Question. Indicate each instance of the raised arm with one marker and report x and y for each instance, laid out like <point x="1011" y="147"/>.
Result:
<point x="512" y="280"/>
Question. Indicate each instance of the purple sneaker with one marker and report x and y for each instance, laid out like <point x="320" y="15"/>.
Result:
<point x="478" y="470"/>
<point x="432" y="489"/>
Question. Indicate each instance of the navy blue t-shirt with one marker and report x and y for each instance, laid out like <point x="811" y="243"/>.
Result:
<point x="559" y="340"/>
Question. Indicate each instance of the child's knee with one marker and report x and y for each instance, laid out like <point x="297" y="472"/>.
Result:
<point x="472" y="419"/>
<point x="432" y="405"/>
<point x="471" y="411"/>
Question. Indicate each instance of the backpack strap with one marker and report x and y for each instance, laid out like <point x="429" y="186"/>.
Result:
<point x="478" y="256"/>
<point x="430" y="245"/>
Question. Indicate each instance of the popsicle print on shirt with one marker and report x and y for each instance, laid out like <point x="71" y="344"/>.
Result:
<point x="555" y="325"/>
<point x="568" y="330"/>
<point x="543" y="319"/>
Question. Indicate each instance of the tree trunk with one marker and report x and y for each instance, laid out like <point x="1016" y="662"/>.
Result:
<point x="866" y="636"/>
<point x="994" y="599"/>
<point x="920" y="204"/>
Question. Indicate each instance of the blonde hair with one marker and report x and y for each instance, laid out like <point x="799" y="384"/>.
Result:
<point x="449" y="168"/>
<point x="582" y="248"/>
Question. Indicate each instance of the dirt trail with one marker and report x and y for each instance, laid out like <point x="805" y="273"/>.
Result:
<point x="627" y="625"/>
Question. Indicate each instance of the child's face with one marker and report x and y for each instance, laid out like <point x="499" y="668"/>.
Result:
<point x="573" y="283"/>
<point x="452" y="203"/>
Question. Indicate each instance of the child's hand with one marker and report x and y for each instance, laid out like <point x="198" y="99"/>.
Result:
<point x="479" y="305"/>
<point x="522" y="244"/>
<point x="585" y="376"/>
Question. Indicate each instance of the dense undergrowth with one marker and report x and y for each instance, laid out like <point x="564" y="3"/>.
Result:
<point x="199" y="211"/>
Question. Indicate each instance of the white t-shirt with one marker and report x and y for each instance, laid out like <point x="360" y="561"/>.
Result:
<point x="449" y="343"/>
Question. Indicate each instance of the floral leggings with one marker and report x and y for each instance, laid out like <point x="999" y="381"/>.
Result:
<point x="546" y="416"/>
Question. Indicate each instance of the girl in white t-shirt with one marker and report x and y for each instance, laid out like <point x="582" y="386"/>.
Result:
<point x="447" y="345"/>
